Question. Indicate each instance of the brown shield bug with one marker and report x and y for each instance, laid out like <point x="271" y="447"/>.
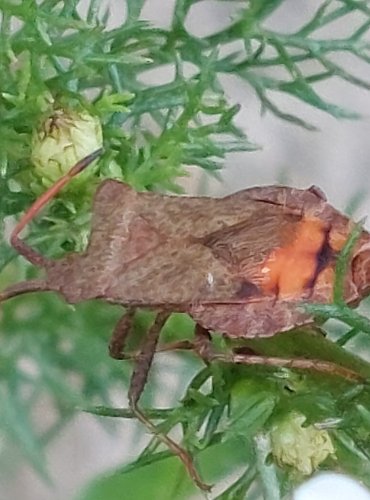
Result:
<point x="239" y="265"/>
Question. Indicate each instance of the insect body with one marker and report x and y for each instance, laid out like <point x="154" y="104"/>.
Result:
<point x="241" y="265"/>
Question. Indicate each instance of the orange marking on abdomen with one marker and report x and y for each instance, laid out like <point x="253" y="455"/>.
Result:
<point x="288" y="270"/>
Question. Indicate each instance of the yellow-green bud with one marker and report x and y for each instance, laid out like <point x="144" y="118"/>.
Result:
<point x="303" y="448"/>
<point x="63" y="139"/>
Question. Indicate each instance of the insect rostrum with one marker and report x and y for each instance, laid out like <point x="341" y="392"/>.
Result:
<point x="241" y="265"/>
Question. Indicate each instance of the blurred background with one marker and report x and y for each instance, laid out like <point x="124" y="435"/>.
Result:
<point x="336" y="157"/>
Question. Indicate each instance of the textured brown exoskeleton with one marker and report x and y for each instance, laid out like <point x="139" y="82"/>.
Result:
<point x="240" y="265"/>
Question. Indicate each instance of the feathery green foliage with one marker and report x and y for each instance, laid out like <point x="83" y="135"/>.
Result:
<point x="55" y="55"/>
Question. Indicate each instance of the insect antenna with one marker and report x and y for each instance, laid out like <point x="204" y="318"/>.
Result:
<point x="23" y="287"/>
<point x="22" y="248"/>
<point x="29" y="253"/>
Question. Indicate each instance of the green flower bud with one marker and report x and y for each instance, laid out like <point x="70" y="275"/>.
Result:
<point x="64" y="138"/>
<point x="303" y="448"/>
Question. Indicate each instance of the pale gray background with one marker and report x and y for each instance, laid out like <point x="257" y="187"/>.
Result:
<point x="336" y="159"/>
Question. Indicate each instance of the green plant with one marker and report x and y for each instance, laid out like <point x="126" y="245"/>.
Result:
<point x="53" y="57"/>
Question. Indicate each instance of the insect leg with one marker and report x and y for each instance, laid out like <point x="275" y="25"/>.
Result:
<point x="138" y="380"/>
<point x="120" y="334"/>
<point x="304" y="364"/>
<point x="145" y="358"/>
<point x="202" y="342"/>
<point x="123" y="329"/>
<point x="203" y="347"/>
<point x="297" y="363"/>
